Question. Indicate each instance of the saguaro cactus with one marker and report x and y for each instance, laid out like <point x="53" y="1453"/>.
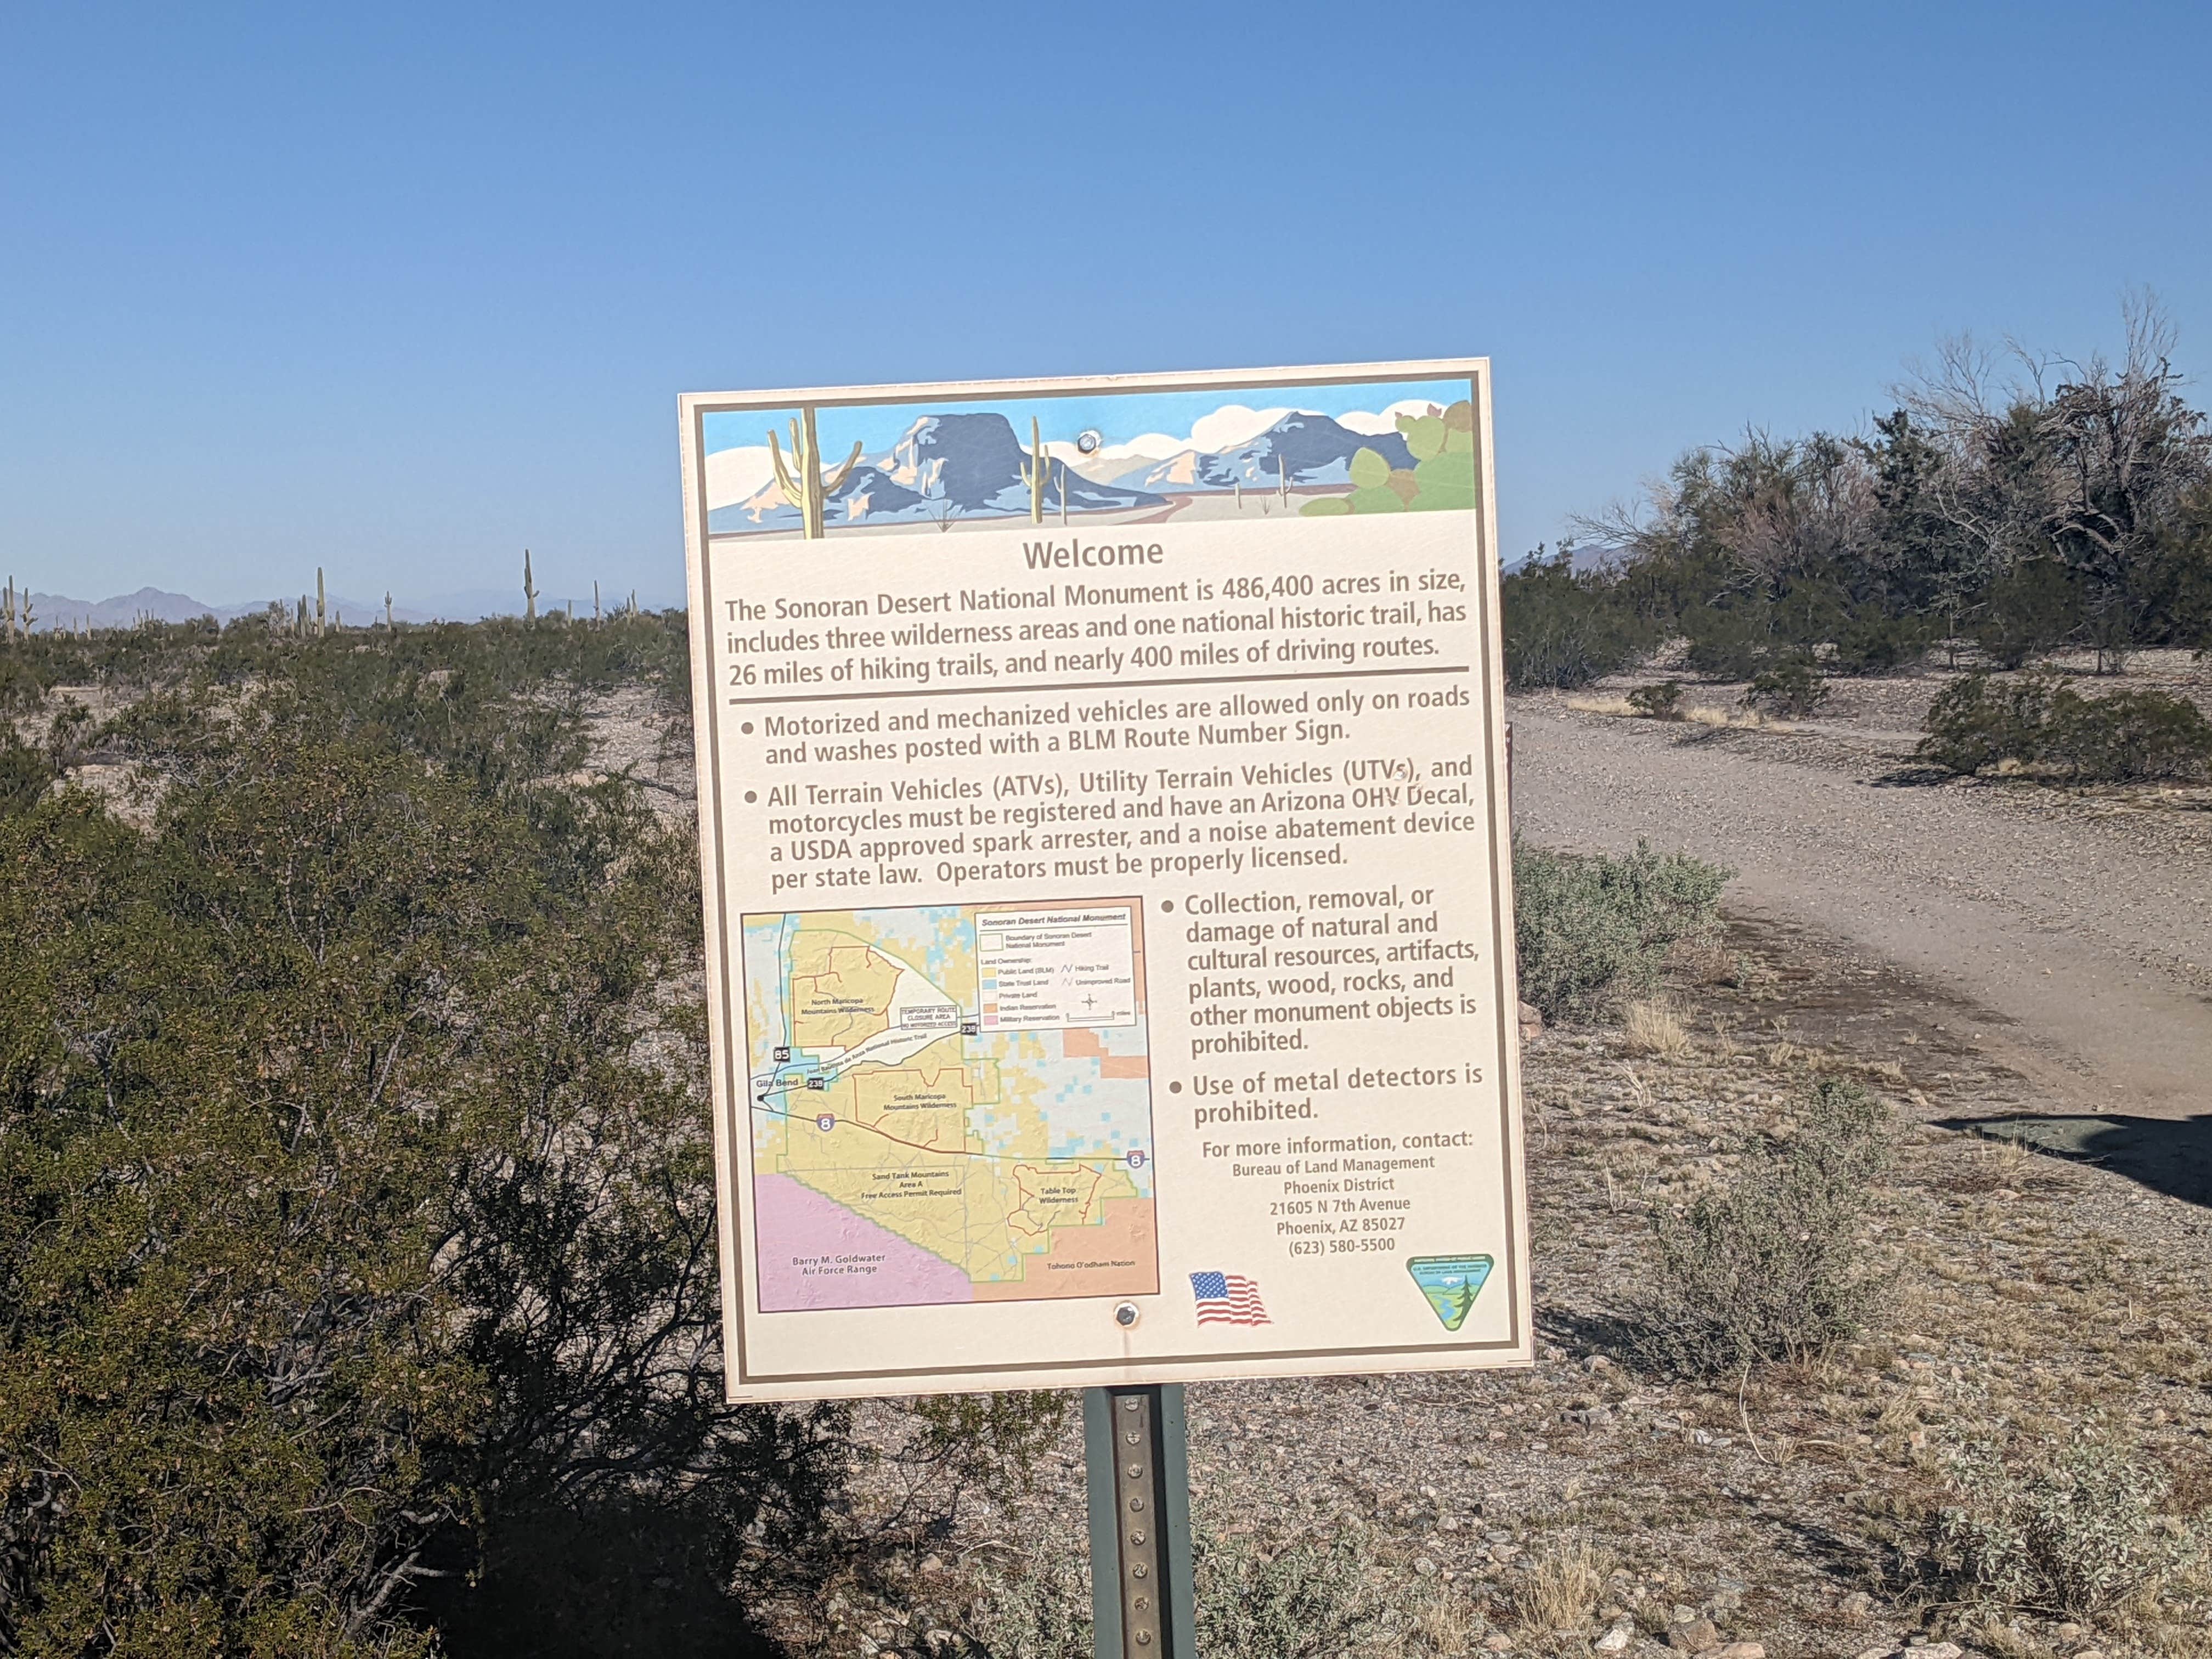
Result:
<point x="388" y="628"/>
<point x="529" y="590"/>
<point x="1036" y="472"/>
<point x="322" y="621"/>
<point x="803" y="484"/>
<point x="1283" y="480"/>
<point x="595" y="602"/>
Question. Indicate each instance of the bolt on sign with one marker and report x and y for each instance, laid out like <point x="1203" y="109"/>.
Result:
<point x="1110" y="943"/>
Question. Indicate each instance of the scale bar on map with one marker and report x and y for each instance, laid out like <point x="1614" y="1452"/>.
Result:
<point x="1047" y="968"/>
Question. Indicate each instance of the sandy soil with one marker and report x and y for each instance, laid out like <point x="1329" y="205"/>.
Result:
<point x="2069" y="932"/>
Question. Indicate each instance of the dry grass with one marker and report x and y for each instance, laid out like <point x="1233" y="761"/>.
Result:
<point x="1996" y="1165"/>
<point x="1446" y="1621"/>
<point x="1560" y="1591"/>
<point x="1704" y="714"/>
<point x="1696" y="714"/>
<point x="1652" y="1028"/>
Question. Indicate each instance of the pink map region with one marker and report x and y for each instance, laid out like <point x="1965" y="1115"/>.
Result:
<point x="826" y="1256"/>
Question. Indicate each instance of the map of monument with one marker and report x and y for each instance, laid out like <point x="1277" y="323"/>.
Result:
<point x="949" y="1103"/>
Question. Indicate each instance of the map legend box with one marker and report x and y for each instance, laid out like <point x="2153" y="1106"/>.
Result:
<point x="1047" y="970"/>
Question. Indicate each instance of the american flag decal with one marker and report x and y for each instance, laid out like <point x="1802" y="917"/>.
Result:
<point x="1228" y="1299"/>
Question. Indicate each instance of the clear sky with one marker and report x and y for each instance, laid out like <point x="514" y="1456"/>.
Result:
<point x="402" y="289"/>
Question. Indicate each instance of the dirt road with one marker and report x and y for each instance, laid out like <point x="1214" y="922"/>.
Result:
<point x="2077" y="936"/>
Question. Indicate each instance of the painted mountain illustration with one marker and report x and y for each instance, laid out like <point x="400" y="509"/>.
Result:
<point x="963" y="466"/>
<point x="1315" y="449"/>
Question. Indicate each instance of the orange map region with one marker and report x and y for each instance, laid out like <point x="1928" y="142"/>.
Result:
<point x="1080" y="1043"/>
<point x="1055" y="1196"/>
<point x="1118" y="1257"/>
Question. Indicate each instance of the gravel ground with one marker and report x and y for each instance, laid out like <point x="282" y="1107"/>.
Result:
<point x="1995" y="960"/>
<point x="2032" y="1295"/>
<point x="2072" y="927"/>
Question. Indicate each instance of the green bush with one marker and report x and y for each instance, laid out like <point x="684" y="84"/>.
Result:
<point x="355" y="1189"/>
<point x="1725" y="644"/>
<point x="1034" y="1608"/>
<point x="1771" y="1268"/>
<point x="2069" y="1532"/>
<point x="2032" y="609"/>
<point x="1874" y="642"/>
<point x="2043" y="725"/>
<point x="1254" y="1598"/>
<point x="1663" y="701"/>
<point x="26" y="773"/>
<point x="1794" y="688"/>
<point x="1563" y="630"/>
<point x="1306" y="1597"/>
<point x="1593" y="932"/>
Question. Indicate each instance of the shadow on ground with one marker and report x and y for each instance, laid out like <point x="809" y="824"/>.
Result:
<point x="2169" y="1155"/>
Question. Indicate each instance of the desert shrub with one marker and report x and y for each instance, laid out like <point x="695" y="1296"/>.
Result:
<point x="1771" y="1267"/>
<point x="1792" y="689"/>
<point x="1663" y="701"/>
<point x="1975" y="721"/>
<point x="2070" y="1531"/>
<point x="355" y="1191"/>
<point x="2032" y="609"/>
<point x="1874" y="643"/>
<point x="26" y="773"/>
<point x="1033" y="1607"/>
<point x="1725" y="645"/>
<point x="2042" y="724"/>
<point x="1593" y="931"/>
<point x="1563" y="630"/>
<point x="990" y="1440"/>
<point x="1254" y="1599"/>
<point x="1286" y="1600"/>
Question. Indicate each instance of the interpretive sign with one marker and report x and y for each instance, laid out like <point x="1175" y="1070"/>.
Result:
<point x="1109" y="947"/>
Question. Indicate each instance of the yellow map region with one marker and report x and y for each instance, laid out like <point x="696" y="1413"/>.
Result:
<point x="909" y="1097"/>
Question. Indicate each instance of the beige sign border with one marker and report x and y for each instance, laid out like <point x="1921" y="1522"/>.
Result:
<point x="725" y="1024"/>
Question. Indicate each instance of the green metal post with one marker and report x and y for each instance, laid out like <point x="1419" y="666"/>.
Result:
<point x="1137" y="1456"/>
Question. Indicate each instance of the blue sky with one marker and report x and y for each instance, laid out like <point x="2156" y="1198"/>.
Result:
<point x="401" y="290"/>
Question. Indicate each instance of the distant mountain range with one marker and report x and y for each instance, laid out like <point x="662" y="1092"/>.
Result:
<point x="50" y="610"/>
<point x="964" y="467"/>
<point x="59" y="611"/>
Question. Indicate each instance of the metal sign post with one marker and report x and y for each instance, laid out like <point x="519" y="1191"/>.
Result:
<point x="1136" y="1454"/>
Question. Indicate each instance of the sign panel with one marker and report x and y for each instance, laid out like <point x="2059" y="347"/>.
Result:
<point x="1108" y="936"/>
